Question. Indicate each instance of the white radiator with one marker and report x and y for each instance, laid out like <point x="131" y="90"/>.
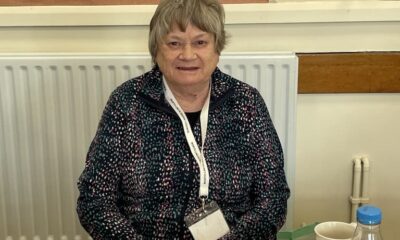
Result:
<point x="49" y="110"/>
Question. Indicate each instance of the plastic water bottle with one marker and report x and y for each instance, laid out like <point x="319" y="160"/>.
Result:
<point x="368" y="223"/>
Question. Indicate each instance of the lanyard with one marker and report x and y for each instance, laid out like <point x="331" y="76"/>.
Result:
<point x="194" y="148"/>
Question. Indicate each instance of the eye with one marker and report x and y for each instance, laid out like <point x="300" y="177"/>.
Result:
<point x="200" y="43"/>
<point x="174" y="44"/>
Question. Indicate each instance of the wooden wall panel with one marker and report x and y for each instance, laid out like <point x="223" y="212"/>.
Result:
<point x="369" y="72"/>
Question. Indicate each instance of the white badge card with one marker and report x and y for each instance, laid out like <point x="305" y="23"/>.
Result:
<point x="207" y="223"/>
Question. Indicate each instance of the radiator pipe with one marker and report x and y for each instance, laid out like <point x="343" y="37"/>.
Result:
<point x="355" y="198"/>
<point x="365" y="180"/>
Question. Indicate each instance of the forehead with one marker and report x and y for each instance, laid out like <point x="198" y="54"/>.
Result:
<point x="191" y="31"/>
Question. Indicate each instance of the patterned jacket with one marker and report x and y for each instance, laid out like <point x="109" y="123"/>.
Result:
<point x="140" y="178"/>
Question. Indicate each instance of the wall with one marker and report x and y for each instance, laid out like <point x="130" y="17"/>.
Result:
<point x="331" y="129"/>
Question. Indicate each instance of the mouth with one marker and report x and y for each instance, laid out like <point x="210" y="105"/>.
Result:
<point x="188" y="68"/>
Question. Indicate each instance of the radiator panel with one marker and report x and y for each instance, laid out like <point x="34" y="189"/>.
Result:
<point x="49" y="110"/>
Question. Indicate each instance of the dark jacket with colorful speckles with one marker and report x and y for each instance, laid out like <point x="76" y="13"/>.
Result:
<point x="140" y="178"/>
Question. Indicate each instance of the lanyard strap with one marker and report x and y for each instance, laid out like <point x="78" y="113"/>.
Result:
<point x="194" y="148"/>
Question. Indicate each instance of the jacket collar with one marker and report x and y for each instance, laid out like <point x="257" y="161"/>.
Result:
<point x="153" y="92"/>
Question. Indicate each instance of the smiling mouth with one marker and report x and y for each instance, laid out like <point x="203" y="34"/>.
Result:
<point x="188" y="68"/>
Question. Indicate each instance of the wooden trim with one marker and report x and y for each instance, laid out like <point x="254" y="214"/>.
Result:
<point x="98" y="2"/>
<point x="369" y="72"/>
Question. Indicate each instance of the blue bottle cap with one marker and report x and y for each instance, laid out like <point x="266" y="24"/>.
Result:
<point x="369" y="215"/>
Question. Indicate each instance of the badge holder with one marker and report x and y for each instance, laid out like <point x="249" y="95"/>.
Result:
<point x="207" y="222"/>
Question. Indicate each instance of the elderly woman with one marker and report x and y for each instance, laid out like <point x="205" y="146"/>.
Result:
<point x="184" y="151"/>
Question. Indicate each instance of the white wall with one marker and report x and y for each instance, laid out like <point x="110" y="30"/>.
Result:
<point x="331" y="129"/>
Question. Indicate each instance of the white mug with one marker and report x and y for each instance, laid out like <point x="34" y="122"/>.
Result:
<point x="334" y="231"/>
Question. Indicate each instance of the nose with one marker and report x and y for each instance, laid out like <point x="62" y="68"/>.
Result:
<point x="188" y="52"/>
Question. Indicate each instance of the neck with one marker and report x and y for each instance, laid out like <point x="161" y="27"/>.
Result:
<point x="191" y="99"/>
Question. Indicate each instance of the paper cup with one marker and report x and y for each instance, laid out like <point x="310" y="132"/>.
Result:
<point x="334" y="231"/>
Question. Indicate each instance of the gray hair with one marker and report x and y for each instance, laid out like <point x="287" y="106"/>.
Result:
<point x="207" y="15"/>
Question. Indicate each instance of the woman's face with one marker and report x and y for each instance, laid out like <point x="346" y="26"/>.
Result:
<point x="187" y="58"/>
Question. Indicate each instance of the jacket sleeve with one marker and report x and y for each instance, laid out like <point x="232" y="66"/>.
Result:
<point x="98" y="185"/>
<point x="270" y="190"/>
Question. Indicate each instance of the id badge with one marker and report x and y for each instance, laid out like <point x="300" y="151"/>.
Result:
<point x="207" y="223"/>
